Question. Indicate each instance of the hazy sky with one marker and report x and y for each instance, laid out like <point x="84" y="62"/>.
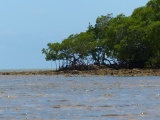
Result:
<point x="26" y="26"/>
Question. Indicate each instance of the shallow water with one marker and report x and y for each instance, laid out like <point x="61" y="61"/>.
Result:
<point x="80" y="98"/>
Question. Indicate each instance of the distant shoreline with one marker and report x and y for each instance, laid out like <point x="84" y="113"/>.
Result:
<point x="106" y="71"/>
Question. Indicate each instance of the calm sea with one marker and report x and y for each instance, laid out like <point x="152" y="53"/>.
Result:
<point x="79" y="98"/>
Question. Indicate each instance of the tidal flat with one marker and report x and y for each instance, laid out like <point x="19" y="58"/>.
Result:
<point x="57" y="97"/>
<point x="103" y="71"/>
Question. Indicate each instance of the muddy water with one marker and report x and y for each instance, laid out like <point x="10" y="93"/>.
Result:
<point x="79" y="98"/>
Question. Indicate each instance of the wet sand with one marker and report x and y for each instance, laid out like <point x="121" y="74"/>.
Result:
<point x="106" y="71"/>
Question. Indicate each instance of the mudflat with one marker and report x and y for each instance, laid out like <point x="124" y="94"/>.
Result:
<point x="105" y="71"/>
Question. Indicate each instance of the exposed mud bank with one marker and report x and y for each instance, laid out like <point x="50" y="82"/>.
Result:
<point x="106" y="71"/>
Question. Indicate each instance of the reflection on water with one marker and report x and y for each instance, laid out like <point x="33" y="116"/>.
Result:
<point x="87" y="98"/>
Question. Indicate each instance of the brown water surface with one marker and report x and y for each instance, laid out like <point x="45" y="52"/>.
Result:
<point x="81" y="98"/>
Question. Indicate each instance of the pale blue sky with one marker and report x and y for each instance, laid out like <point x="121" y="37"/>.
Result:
<point x="26" y="26"/>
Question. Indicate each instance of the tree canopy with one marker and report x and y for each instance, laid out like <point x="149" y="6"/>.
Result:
<point x="121" y="41"/>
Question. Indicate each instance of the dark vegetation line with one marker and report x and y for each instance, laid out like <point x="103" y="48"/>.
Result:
<point x="116" y="42"/>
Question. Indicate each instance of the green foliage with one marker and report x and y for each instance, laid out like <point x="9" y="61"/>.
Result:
<point x="153" y="37"/>
<point x="130" y="42"/>
<point x="52" y="52"/>
<point x="154" y="4"/>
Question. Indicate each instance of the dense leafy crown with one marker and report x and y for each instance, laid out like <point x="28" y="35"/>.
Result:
<point x="123" y="41"/>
